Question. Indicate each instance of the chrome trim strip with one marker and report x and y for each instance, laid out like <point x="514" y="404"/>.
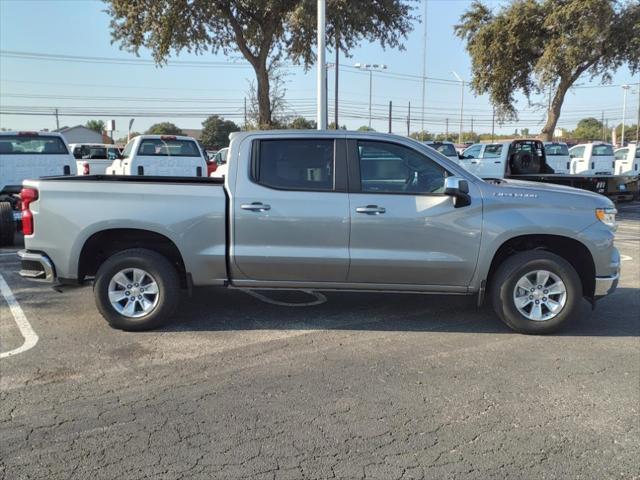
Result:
<point x="606" y="285"/>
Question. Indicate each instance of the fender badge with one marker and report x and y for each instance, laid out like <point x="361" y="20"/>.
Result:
<point x="515" y="195"/>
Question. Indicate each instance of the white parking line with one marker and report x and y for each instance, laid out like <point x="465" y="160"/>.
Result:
<point x="30" y="336"/>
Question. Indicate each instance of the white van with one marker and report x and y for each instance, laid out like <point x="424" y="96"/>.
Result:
<point x="161" y="155"/>
<point x="627" y="160"/>
<point x="93" y="158"/>
<point x="557" y="154"/>
<point x="595" y="158"/>
<point x="27" y="155"/>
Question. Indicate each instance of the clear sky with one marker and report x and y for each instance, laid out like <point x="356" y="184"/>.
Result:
<point x="185" y="94"/>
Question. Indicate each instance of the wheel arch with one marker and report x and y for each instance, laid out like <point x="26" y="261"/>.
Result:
<point x="101" y="245"/>
<point x="572" y="250"/>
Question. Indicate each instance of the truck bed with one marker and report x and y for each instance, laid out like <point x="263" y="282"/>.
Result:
<point x="190" y="212"/>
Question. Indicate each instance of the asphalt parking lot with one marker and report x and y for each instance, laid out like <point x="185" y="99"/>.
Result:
<point x="364" y="385"/>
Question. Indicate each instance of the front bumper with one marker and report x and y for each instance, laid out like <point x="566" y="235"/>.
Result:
<point x="36" y="266"/>
<point x="606" y="285"/>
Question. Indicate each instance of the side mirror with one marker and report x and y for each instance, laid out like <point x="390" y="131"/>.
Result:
<point x="457" y="188"/>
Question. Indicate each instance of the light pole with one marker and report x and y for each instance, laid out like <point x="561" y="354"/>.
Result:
<point x="321" y="114"/>
<point x="370" y="67"/>
<point x="461" y="104"/>
<point x="624" y="111"/>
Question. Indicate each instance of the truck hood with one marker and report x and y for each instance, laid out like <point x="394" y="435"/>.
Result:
<point x="510" y="188"/>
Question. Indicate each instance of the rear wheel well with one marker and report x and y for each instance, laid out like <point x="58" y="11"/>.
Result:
<point x="102" y="245"/>
<point x="573" y="251"/>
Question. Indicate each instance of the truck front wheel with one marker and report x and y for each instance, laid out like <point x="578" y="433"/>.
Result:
<point x="7" y="225"/>
<point x="136" y="289"/>
<point x="536" y="292"/>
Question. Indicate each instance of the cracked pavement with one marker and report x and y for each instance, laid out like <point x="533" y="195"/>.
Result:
<point x="363" y="386"/>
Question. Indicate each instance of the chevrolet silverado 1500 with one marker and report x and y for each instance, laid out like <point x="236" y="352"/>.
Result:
<point x="329" y="210"/>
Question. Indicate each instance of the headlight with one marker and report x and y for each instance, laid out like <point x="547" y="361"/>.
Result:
<point x="607" y="216"/>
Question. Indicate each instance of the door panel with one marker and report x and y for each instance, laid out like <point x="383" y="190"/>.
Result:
<point x="410" y="237"/>
<point x="293" y="235"/>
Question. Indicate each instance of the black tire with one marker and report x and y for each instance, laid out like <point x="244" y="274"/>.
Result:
<point x="513" y="269"/>
<point x="162" y="271"/>
<point x="525" y="164"/>
<point x="7" y="225"/>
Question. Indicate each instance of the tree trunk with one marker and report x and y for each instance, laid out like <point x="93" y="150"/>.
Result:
<point x="553" y="114"/>
<point x="264" y="98"/>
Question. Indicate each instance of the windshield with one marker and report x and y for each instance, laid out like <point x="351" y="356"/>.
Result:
<point x="602" y="150"/>
<point x="31" y="145"/>
<point x="556" y="149"/>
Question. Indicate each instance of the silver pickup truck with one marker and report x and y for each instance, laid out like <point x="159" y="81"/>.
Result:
<point x="329" y="210"/>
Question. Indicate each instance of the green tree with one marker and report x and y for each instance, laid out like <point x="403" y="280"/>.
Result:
<point x="545" y="46"/>
<point x="301" y="123"/>
<point x="124" y="140"/>
<point x="422" y="136"/>
<point x="588" y="129"/>
<point x="164" y="128"/>
<point x="264" y="32"/>
<point x="332" y="126"/>
<point x="216" y="130"/>
<point x="365" y="128"/>
<point x="95" y="125"/>
<point x="630" y="132"/>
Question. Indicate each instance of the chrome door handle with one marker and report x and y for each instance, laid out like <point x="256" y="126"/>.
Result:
<point x="371" y="210"/>
<point x="255" y="206"/>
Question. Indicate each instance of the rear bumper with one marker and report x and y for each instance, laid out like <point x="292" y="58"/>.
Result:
<point x="36" y="266"/>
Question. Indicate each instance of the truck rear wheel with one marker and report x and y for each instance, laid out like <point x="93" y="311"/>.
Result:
<point x="136" y="289"/>
<point x="536" y="292"/>
<point x="7" y="225"/>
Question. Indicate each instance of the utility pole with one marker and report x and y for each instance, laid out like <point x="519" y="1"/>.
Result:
<point x="461" y="105"/>
<point x="245" y="113"/>
<point x="638" y="118"/>
<point x="472" y="126"/>
<point x="446" y="128"/>
<point x="321" y="114"/>
<point x="602" y="121"/>
<point x="424" y="71"/>
<point x="409" y="120"/>
<point x="390" y="115"/>
<point x="493" y="123"/>
<point x="624" y="111"/>
<point x="57" y="120"/>
<point x="335" y="113"/>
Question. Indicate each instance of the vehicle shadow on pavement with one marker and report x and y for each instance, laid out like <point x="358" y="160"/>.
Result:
<point x="224" y="310"/>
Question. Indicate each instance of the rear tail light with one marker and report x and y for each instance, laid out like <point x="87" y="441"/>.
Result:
<point x="27" y="195"/>
<point x="85" y="169"/>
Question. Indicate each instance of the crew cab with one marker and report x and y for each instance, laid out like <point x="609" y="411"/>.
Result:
<point x="594" y="158"/>
<point x="27" y="155"/>
<point x="93" y="157"/>
<point x="627" y="160"/>
<point x="329" y="210"/>
<point x="161" y="155"/>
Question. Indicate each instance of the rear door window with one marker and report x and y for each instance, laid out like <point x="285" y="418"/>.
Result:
<point x="621" y="154"/>
<point x="295" y="164"/>
<point x="577" y="152"/>
<point x="157" y="147"/>
<point x="445" y="149"/>
<point x="31" y="145"/>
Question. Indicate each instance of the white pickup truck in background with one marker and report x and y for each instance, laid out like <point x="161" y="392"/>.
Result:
<point x="161" y="155"/>
<point x="627" y="160"/>
<point x="93" y="158"/>
<point x="595" y="158"/>
<point x="25" y="155"/>
<point x="558" y="156"/>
